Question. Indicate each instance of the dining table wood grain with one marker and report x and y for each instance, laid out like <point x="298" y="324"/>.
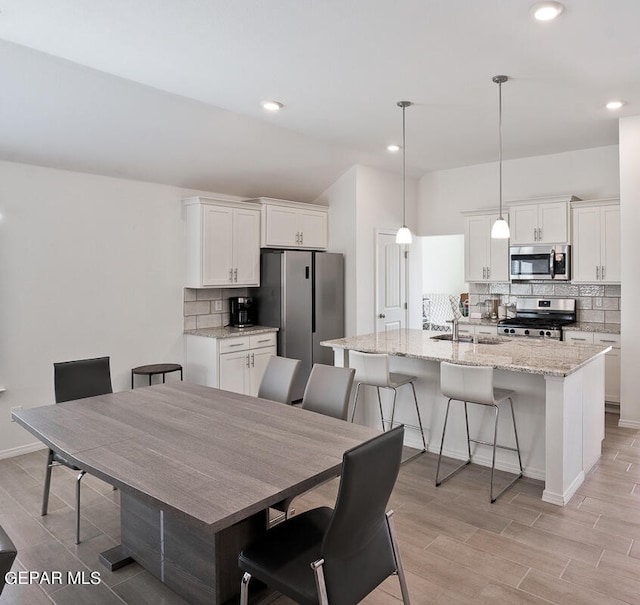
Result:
<point x="194" y="463"/>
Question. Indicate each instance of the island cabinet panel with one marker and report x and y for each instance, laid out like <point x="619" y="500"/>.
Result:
<point x="596" y="242"/>
<point x="288" y="224"/>
<point x="540" y="223"/>
<point x="558" y="402"/>
<point x="486" y="259"/>
<point x="223" y="243"/>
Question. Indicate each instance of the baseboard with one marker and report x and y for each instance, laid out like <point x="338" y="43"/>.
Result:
<point x="628" y="424"/>
<point x="23" y="449"/>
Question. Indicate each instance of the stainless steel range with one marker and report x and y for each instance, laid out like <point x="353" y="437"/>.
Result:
<point x="540" y="318"/>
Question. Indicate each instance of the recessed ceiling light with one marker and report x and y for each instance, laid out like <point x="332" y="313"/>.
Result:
<point x="272" y="105"/>
<point x="546" y="11"/>
<point x="615" y="104"/>
<point x="393" y="148"/>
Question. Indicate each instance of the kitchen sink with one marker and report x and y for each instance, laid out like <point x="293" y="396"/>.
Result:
<point x="481" y="340"/>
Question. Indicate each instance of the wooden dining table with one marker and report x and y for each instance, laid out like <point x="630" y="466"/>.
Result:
<point x="197" y="469"/>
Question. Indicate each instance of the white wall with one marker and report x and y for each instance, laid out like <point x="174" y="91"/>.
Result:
<point x="89" y="266"/>
<point x="362" y="200"/>
<point x="443" y="195"/>
<point x="630" y="292"/>
<point x="342" y="218"/>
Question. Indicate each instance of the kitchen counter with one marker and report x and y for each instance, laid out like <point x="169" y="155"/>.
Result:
<point x="558" y="401"/>
<point x="229" y="332"/>
<point x="530" y="355"/>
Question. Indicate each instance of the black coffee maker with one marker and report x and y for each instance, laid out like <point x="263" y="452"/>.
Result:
<point x="241" y="311"/>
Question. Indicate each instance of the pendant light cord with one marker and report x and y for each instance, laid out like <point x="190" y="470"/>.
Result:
<point x="500" y="140"/>
<point x="404" y="169"/>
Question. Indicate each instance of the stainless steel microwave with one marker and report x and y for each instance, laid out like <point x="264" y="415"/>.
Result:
<point x="529" y="263"/>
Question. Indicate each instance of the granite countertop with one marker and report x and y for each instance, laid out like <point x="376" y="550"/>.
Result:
<point x="603" y="328"/>
<point x="533" y="356"/>
<point x="229" y="332"/>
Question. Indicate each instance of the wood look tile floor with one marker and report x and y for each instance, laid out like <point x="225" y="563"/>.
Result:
<point x="457" y="547"/>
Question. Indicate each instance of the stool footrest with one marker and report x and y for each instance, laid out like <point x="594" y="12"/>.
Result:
<point x="502" y="447"/>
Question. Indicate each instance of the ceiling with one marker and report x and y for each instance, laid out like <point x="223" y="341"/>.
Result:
<point x="170" y="91"/>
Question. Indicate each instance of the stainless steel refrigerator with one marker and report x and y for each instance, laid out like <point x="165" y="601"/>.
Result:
<point x="302" y="294"/>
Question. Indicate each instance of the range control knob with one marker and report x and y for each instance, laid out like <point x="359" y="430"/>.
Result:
<point x="548" y="333"/>
<point x="542" y="333"/>
<point x="512" y="331"/>
<point x="526" y="332"/>
<point x="506" y="330"/>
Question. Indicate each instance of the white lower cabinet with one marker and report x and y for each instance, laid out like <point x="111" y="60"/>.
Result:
<point x="232" y="364"/>
<point x="611" y="361"/>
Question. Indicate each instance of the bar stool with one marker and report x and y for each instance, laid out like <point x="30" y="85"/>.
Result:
<point x="373" y="369"/>
<point x="474" y="384"/>
<point x="156" y="368"/>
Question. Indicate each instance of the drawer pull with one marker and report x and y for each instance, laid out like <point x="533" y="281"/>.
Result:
<point x="238" y="344"/>
<point x="264" y="340"/>
<point x="611" y="341"/>
<point x="580" y="339"/>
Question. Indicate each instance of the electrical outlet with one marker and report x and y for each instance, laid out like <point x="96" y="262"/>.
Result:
<point x="217" y="305"/>
<point x="597" y="302"/>
<point x="16" y="408"/>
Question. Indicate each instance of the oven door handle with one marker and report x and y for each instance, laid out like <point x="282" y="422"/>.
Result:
<point x="552" y="258"/>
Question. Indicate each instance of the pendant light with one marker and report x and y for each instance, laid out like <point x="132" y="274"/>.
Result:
<point x="404" y="235"/>
<point x="500" y="229"/>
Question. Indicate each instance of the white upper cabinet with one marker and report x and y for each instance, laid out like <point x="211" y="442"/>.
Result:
<point x="596" y="242"/>
<point x="545" y="222"/>
<point x="293" y="225"/>
<point x="223" y="243"/>
<point x="486" y="259"/>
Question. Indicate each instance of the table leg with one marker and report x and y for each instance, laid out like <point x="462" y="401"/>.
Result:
<point x="150" y="379"/>
<point x="131" y="378"/>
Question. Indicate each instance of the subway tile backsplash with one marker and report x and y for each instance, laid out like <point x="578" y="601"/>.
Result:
<point x="596" y="303"/>
<point x="208" y="307"/>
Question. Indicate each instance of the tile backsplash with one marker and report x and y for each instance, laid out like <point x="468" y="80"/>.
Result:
<point x="597" y="303"/>
<point x="208" y="307"/>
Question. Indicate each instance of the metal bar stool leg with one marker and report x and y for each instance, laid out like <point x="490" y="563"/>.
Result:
<point x="493" y="457"/>
<point x="393" y="408"/>
<point x="415" y="398"/>
<point x="515" y="432"/>
<point x="355" y="401"/>
<point x="396" y="555"/>
<point x="466" y="421"/>
<point x="455" y="470"/>
<point x="380" y="404"/>
<point x="244" y="588"/>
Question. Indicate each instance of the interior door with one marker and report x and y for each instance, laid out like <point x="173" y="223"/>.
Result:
<point x="391" y="291"/>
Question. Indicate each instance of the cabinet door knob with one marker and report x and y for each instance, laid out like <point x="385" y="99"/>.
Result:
<point x="381" y="315"/>
<point x="597" y="272"/>
<point x="253" y="360"/>
<point x="602" y="271"/>
<point x="301" y="238"/>
<point x="235" y="275"/>
<point x="231" y="275"/>
<point x="248" y="360"/>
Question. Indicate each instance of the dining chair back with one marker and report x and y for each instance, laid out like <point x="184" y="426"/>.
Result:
<point x="76" y="379"/>
<point x="8" y="554"/>
<point x="81" y="378"/>
<point x="328" y="389"/>
<point x="338" y="556"/>
<point x="277" y="380"/>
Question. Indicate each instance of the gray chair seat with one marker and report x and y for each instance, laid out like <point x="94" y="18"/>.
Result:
<point x="398" y="380"/>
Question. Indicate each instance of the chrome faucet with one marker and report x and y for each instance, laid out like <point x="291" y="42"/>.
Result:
<point x="454" y="330"/>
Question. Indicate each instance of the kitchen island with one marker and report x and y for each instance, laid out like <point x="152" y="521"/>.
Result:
<point x="559" y="401"/>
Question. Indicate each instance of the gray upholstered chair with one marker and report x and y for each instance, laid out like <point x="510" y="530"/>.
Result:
<point x="75" y="380"/>
<point x="373" y="369"/>
<point x="328" y="389"/>
<point x="336" y="556"/>
<point x="327" y="392"/>
<point x="8" y="554"/>
<point x="277" y="380"/>
<point x="474" y="384"/>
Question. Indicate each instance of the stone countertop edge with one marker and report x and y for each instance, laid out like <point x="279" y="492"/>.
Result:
<point x="530" y="356"/>
<point x="229" y="332"/>
<point x="599" y="328"/>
